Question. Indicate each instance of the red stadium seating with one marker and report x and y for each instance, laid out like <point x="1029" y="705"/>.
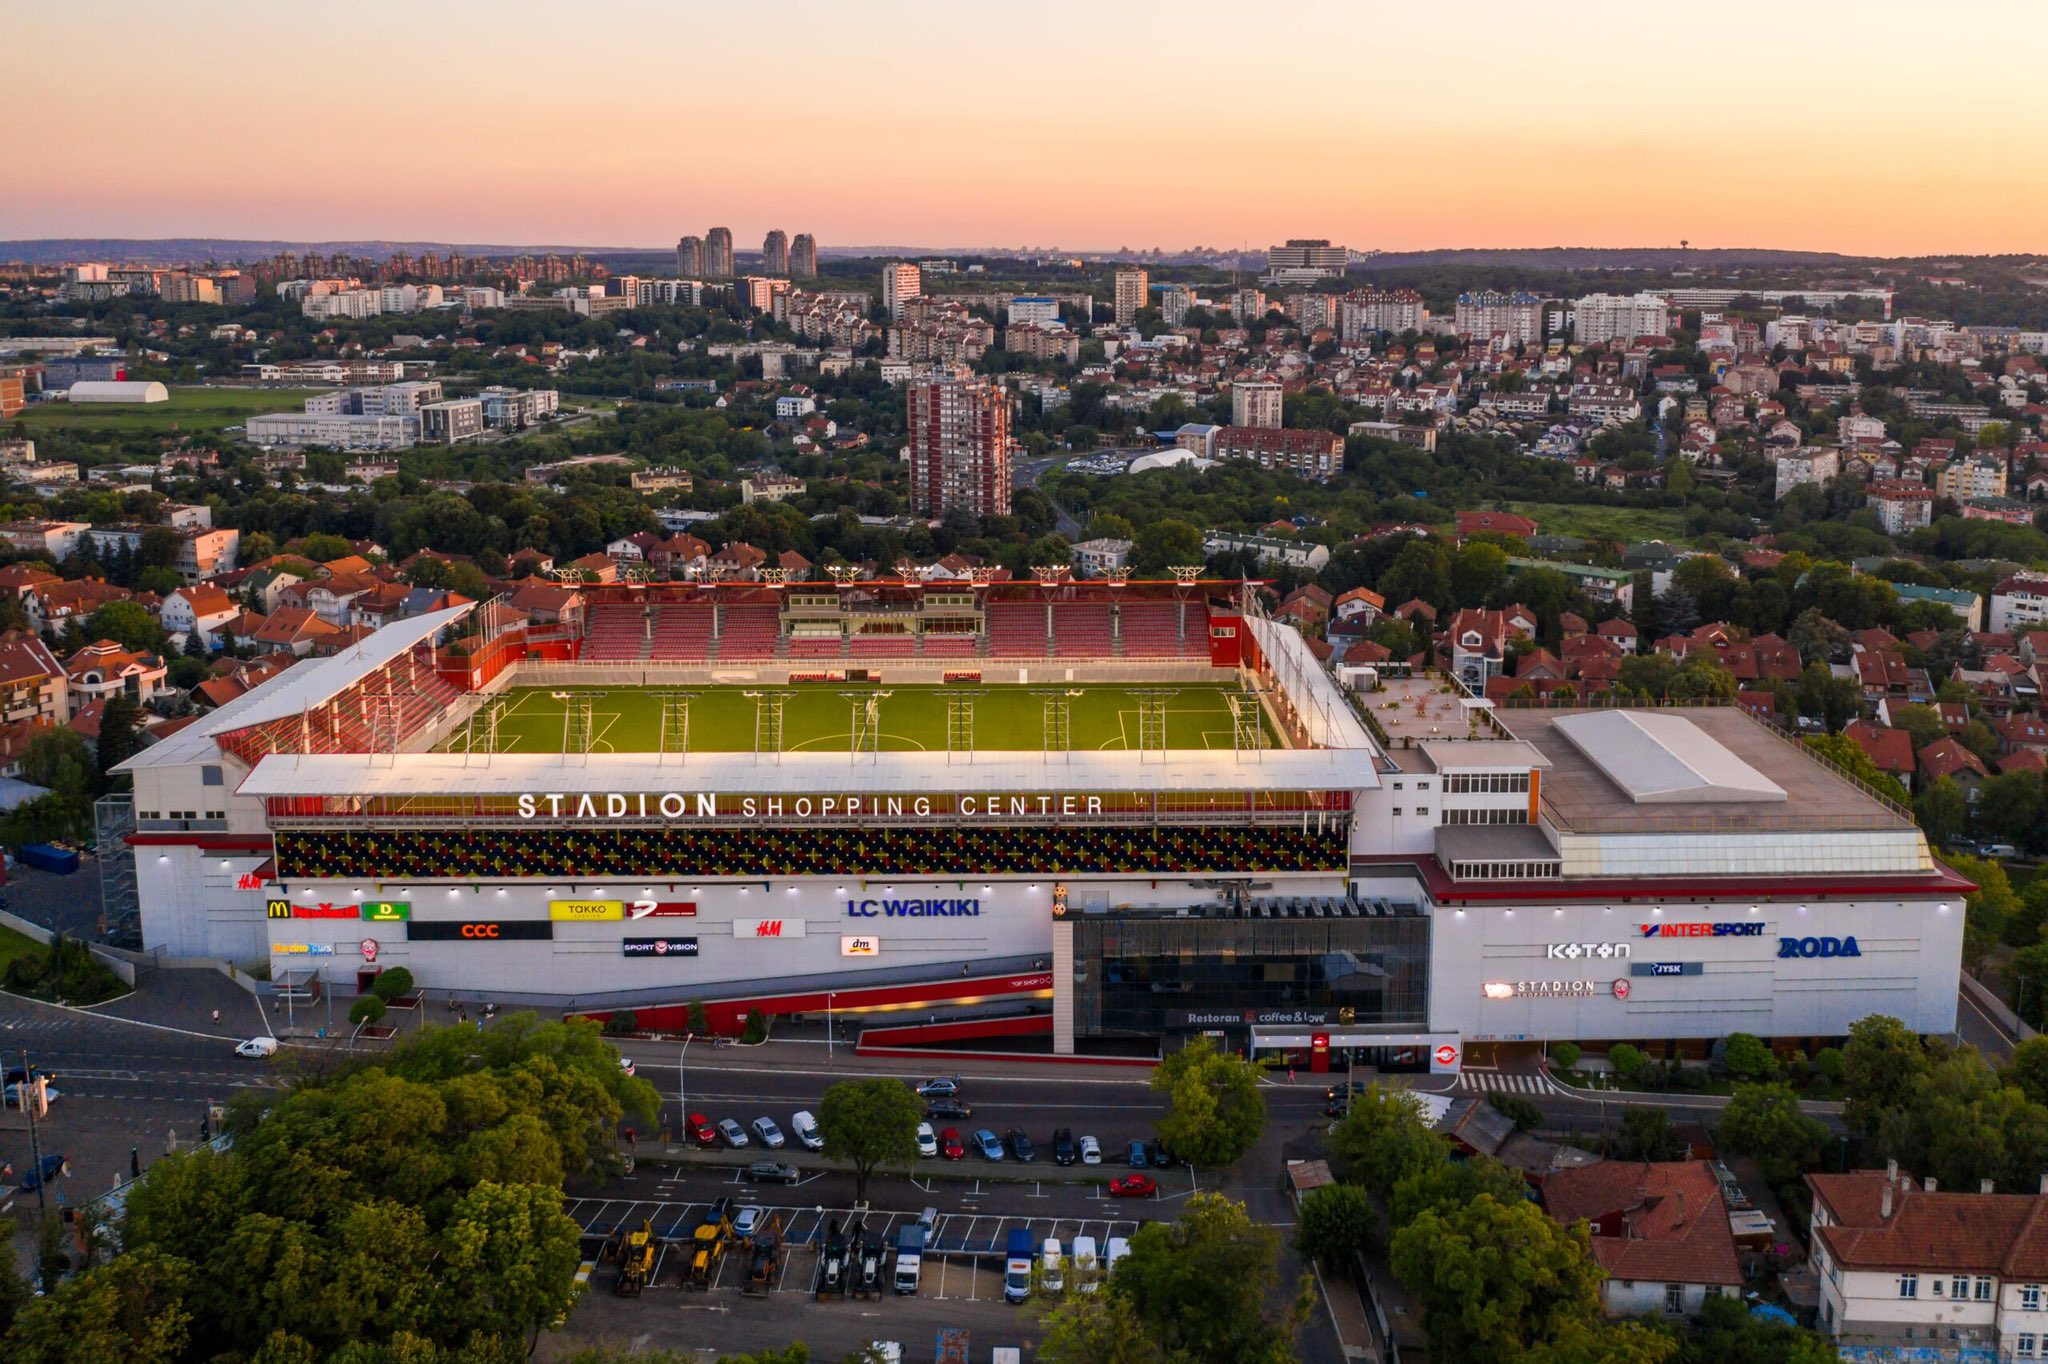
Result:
<point x="1151" y="629"/>
<point x="614" y="632"/>
<point x="748" y="632"/>
<point x="943" y="645"/>
<point x="1016" y="630"/>
<point x="1082" y="630"/>
<point x="682" y="633"/>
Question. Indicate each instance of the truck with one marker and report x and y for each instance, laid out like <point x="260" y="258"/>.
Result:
<point x="636" y="1260"/>
<point x="766" y="1257"/>
<point x="708" y="1242"/>
<point x="43" y="857"/>
<point x="1018" y="1254"/>
<point x="952" y="1346"/>
<point x="832" y="1260"/>
<point x="909" y="1257"/>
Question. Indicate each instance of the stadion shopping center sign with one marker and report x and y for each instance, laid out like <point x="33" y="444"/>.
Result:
<point x="676" y="806"/>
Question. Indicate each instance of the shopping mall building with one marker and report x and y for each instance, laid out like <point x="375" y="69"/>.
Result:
<point x="1396" y="869"/>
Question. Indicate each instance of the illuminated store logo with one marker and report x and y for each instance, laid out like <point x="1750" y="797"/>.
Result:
<point x="1818" y="947"/>
<point x="1572" y="951"/>
<point x="1539" y="989"/>
<point x="1743" y="930"/>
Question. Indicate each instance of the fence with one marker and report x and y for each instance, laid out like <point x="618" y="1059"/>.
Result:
<point x="120" y="963"/>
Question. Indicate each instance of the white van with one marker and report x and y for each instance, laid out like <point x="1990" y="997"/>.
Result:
<point x="1051" y="1266"/>
<point x="1087" y="1274"/>
<point x="1117" y="1248"/>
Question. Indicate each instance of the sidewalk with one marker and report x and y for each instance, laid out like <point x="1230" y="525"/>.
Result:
<point x="185" y="999"/>
<point x="811" y="1055"/>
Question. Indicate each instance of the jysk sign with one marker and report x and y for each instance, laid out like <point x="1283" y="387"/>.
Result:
<point x="1666" y="968"/>
<point x="586" y="911"/>
<point x="479" y="930"/>
<point x="658" y="947"/>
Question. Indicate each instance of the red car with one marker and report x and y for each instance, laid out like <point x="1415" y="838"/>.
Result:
<point x="1133" y="1186"/>
<point x="950" y="1145"/>
<point x="700" y="1130"/>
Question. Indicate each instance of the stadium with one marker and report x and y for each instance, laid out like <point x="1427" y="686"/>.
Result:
<point x="1073" y="815"/>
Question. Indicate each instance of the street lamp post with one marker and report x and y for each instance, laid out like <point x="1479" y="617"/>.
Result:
<point x="683" y="1081"/>
<point x="830" y="1031"/>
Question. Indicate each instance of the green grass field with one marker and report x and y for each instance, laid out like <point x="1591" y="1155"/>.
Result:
<point x="817" y="718"/>
<point x="1626" y="524"/>
<point x="190" y="409"/>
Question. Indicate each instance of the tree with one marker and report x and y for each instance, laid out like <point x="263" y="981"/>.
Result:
<point x="1748" y="1057"/>
<point x="131" y="1309"/>
<point x="1215" y="1111"/>
<point x="1848" y="755"/>
<point x="2014" y="807"/>
<point x="1453" y="1184"/>
<point x="1202" y="1286"/>
<point x="128" y="624"/>
<point x="1337" y="1221"/>
<point x="1422" y="569"/>
<point x="1628" y="1061"/>
<point x="1495" y="1278"/>
<point x="1883" y="1063"/>
<point x="1646" y="1134"/>
<point x="120" y="735"/>
<point x="2027" y="1069"/>
<point x="1383" y="1140"/>
<point x="869" y="1123"/>
<point x="14" y="1290"/>
<point x="59" y="759"/>
<point x="1161" y="545"/>
<point x="393" y="983"/>
<point x="1942" y="812"/>
<point x="1093" y="1328"/>
<point x="367" y="1010"/>
<point x="1727" y="1333"/>
<point x="1525" y="1115"/>
<point x="1763" y="1122"/>
<point x="509" y="1257"/>
<point x="1565" y="1055"/>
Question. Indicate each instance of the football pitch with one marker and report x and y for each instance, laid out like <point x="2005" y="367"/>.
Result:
<point x="816" y="718"/>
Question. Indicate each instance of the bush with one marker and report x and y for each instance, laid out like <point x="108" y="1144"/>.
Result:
<point x="1827" y="1063"/>
<point x="1526" y="1116"/>
<point x="757" y="1027"/>
<point x="1748" y="1058"/>
<point x="368" y="1009"/>
<point x="1628" y="1062"/>
<point x="395" y="983"/>
<point x="620" y="1023"/>
<point x="700" y="1022"/>
<point x="1565" y="1054"/>
<point x="25" y="974"/>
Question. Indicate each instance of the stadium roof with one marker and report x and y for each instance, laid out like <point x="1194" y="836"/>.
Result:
<point x="796" y="774"/>
<point x="300" y="688"/>
<point x="1665" y="759"/>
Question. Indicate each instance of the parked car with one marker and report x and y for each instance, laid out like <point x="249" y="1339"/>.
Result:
<point x="700" y="1130"/>
<point x="939" y="1087"/>
<point x="768" y="1132"/>
<point x="257" y="1047"/>
<point x="1133" y="1186"/>
<point x="987" y="1143"/>
<point x="1020" y="1146"/>
<point x="1138" y="1161"/>
<point x="947" y="1108"/>
<point x="1336" y="1093"/>
<point x="1091" y="1151"/>
<point x="927" y="1140"/>
<point x="1998" y="850"/>
<point x="16" y="1092"/>
<point x="52" y="1167"/>
<point x="747" y="1222"/>
<point x="773" y="1172"/>
<point x="1063" y="1149"/>
<point x="1161" y="1155"/>
<point x="950" y="1145"/>
<point x="730" y="1130"/>
<point x="806" y="1129"/>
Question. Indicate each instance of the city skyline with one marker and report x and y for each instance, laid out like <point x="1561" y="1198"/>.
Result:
<point x="1575" y="129"/>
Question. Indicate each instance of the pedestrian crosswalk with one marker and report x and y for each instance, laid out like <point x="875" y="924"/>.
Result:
<point x="1500" y="1082"/>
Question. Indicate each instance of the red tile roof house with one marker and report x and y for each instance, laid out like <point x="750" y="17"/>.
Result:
<point x="1948" y="758"/>
<point x="1890" y="749"/>
<point x="1659" y="1229"/>
<point x="1915" y="1271"/>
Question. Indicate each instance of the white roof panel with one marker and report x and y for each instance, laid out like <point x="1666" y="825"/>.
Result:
<point x="305" y="685"/>
<point x="1659" y="758"/>
<point x="511" y="774"/>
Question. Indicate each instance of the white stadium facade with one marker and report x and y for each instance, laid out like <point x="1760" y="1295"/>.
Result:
<point x="1397" y="871"/>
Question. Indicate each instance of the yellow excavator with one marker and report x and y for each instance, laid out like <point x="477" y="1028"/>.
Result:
<point x="636" y="1261"/>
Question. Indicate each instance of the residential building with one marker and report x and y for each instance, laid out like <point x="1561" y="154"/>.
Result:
<point x="1659" y="1229"/>
<point x="1971" y="477"/>
<point x="1602" y="586"/>
<point x="718" y="253"/>
<point x="1421" y="437"/>
<point x="1317" y="455"/>
<point x="1911" y="1270"/>
<point x="1100" y="557"/>
<point x="690" y="257"/>
<point x="1267" y="549"/>
<point x="1255" y="404"/>
<point x="1038" y="309"/>
<point x="298" y="430"/>
<point x="959" y="431"/>
<point x="105" y="669"/>
<point x="1042" y="341"/>
<point x="1133" y="292"/>
<point x="1516" y="318"/>
<point x="1307" y="258"/>
<point x="456" y="419"/>
<point x="803" y="256"/>
<point x="1604" y="402"/>
<point x="58" y="539"/>
<point x="2019" y="603"/>
<point x="901" y="281"/>
<point x="1600" y="318"/>
<point x="1901" y="505"/>
<point x="1369" y="312"/>
<point x="198" y="610"/>
<point x="1815" y="466"/>
<point x="1968" y="606"/>
<point x="770" y="488"/>
<point x="32" y="681"/>
<point x="775" y="252"/>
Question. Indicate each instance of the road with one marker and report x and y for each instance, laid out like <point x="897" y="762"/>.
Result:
<point x="1028" y="474"/>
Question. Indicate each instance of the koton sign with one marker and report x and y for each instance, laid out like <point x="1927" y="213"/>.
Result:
<point x="767" y="928"/>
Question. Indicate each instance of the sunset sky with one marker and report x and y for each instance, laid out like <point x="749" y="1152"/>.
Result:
<point x="1867" y="126"/>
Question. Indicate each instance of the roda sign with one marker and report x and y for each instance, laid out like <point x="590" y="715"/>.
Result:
<point x="1818" y="947"/>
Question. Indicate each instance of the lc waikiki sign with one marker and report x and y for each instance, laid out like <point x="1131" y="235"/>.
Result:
<point x="969" y="908"/>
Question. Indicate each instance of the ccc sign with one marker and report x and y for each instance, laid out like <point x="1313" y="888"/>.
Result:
<point x="479" y="930"/>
